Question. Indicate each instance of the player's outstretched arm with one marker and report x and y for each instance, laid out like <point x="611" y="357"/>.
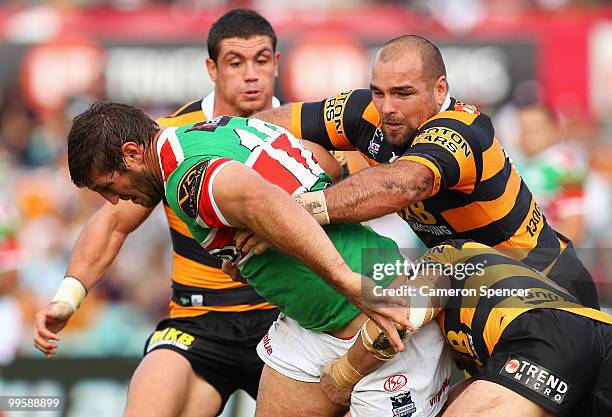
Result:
<point x="101" y="238"/>
<point x="95" y="250"/>
<point x="247" y="200"/>
<point x="373" y="349"/>
<point x="373" y="192"/>
<point x="280" y="116"/>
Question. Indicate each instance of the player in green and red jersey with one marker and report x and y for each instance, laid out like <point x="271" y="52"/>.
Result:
<point x="230" y="173"/>
<point x="243" y="63"/>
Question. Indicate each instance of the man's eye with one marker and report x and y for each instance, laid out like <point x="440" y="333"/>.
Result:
<point x="234" y="64"/>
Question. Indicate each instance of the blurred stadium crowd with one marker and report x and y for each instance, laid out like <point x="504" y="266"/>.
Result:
<point x="564" y="156"/>
<point x="489" y="5"/>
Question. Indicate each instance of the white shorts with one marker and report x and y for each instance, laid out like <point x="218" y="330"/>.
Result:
<point x="413" y="384"/>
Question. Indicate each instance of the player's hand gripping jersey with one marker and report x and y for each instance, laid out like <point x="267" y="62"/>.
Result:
<point x="190" y="158"/>
<point x="477" y="192"/>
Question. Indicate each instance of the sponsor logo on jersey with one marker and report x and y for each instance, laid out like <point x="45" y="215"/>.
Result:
<point x="402" y="404"/>
<point x="538" y="296"/>
<point x="375" y="143"/>
<point x="334" y="108"/>
<point x="395" y="383"/>
<point x="535" y="377"/>
<point x="171" y="336"/>
<point x="438" y="395"/>
<point x="210" y="125"/>
<point x="189" y="186"/>
<point x="466" y="108"/>
<point x="446" y="138"/>
<point x="433" y="230"/>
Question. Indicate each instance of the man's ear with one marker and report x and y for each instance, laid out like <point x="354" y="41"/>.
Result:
<point x="441" y="89"/>
<point x="276" y="63"/>
<point x="211" y="66"/>
<point x="133" y="154"/>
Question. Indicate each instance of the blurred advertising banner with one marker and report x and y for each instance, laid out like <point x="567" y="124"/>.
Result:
<point x="156" y="56"/>
<point x="102" y="393"/>
<point x="81" y="387"/>
<point x="600" y="53"/>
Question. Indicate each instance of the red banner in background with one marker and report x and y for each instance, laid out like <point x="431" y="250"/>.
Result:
<point x="554" y="46"/>
<point x="60" y="68"/>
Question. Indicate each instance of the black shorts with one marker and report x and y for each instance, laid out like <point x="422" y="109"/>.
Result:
<point x="569" y="272"/>
<point x="558" y="360"/>
<point x="219" y="346"/>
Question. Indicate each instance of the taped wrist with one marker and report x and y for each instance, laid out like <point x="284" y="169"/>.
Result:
<point x="375" y="341"/>
<point x="71" y="291"/>
<point x="343" y="374"/>
<point x="314" y="203"/>
<point x="423" y="308"/>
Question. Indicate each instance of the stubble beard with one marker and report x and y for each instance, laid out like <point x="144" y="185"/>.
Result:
<point x="152" y="191"/>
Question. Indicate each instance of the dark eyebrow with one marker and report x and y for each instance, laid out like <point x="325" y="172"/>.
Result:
<point x="403" y="88"/>
<point x="264" y="49"/>
<point x="239" y="55"/>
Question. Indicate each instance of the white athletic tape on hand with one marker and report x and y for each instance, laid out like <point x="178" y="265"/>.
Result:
<point x="417" y="316"/>
<point x="71" y="291"/>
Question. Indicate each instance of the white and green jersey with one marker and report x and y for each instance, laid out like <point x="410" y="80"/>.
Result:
<point x="191" y="157"/>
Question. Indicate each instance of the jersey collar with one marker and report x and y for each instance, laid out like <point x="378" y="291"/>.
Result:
<point x="208" y="104"/>
<point x="447" y="103"/>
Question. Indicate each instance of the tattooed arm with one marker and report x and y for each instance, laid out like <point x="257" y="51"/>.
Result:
<point x="375" y="192"/>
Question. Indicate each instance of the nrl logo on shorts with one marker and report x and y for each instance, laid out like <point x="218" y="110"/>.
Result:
<point x="535" y="377"/>
<point x="188" y="192"/>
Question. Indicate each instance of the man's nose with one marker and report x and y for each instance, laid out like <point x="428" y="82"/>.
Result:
<point x="250" y="72"/>
<point x="110" y="197"/>
<point x="388" y="106"/>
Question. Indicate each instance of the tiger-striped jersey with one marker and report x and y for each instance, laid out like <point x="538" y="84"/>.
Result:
<point x="474" y="320"/>
<point x="477" y="192"/>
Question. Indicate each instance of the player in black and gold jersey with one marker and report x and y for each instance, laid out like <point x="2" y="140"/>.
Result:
<point x="533" y="349"/>
<point x="205" y="350"/>
<point x="449" y="177"/>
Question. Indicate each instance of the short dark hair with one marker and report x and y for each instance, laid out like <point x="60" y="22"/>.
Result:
<point x="238" y="23"/>
<point x="96" y="137"/>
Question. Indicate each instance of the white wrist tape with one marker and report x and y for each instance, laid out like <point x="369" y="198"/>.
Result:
<point x="314" y="202"/>
<point x="71" y="291"/>
<point x="417" y="315"/>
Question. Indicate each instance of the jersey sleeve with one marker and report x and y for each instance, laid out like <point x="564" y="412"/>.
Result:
<point x="189" y="192"/>
<point x="342" y="122"/>
<point x="451" y="149"/>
